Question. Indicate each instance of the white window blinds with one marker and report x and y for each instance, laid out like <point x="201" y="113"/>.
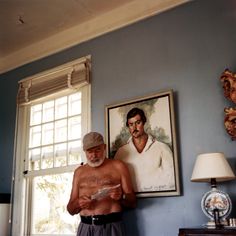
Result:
<point x="72" y="75"/>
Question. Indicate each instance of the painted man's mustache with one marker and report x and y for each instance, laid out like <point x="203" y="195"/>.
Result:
<point x="135" y="131"/>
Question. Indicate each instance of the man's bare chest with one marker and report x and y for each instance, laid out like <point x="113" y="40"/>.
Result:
<point x="93" y="179"/>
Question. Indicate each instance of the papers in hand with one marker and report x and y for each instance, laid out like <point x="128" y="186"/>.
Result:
<point x="101" y="193"/>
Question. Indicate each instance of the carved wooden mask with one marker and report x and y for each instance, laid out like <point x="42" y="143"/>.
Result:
<point x="229" y="84"/>
<point x="228" y="80"/>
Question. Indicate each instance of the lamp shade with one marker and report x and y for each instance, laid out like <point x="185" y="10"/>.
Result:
<point x="212" y="166"/>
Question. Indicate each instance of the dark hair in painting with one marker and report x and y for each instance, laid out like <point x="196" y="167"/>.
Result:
<point x="136" y="111"/>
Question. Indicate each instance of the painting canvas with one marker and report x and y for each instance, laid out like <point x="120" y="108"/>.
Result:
<point x="141" y="132"/>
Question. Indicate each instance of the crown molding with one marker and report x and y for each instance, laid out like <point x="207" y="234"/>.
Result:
<point x="120" y="17"/>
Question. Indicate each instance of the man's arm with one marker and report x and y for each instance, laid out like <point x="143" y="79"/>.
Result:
<point x="73" y="206"/>
<point x="128" y="197"/>
<point x="77" y="202"/>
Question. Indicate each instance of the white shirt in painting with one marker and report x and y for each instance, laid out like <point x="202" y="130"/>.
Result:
<point x="152" y="169"/>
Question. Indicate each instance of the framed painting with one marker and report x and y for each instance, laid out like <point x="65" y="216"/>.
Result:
<point x="141" y="132"/>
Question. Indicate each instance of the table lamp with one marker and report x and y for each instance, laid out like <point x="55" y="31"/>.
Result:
<point x="216" y="204"/>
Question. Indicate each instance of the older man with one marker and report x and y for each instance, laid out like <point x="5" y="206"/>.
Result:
<point x="100" y="189"/>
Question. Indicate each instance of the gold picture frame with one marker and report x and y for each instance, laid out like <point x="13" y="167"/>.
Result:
<point x="160" y="150"/>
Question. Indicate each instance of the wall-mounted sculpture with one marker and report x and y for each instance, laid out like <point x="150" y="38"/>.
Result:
<point x="230" y="121"/>
<point x="229" y="84"/>
<point x="228" y="80"/>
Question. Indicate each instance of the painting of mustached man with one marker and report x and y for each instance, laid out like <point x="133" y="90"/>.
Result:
<point x="141" y="132"/>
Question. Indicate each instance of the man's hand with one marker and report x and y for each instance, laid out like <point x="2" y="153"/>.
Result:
<point x="115" y="193"/>
<point x="85" y="202"/>
<point x="76" y="205"/>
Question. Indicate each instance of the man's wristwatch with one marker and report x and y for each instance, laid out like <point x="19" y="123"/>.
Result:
<point x="123" y="196"/>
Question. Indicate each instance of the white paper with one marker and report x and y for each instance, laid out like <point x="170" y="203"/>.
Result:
<point x="101" y="193"/>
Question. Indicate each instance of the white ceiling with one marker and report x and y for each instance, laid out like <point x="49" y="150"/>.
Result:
<point x="33" y="29"/>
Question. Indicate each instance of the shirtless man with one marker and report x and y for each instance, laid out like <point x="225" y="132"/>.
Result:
<point x="100" y="189"/>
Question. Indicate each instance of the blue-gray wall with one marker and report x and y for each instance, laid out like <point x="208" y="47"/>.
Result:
<point x="185" y="49"/>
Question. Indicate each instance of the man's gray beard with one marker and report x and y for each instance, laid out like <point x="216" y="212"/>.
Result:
<point x="97" y="163"/>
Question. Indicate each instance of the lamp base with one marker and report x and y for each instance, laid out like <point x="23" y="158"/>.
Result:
<point x="210" y="225"/>
<point x="213" y="225"/>
<point x="217" y="206"/>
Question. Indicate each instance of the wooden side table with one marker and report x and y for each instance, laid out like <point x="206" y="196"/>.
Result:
<point x="207" y="232"/>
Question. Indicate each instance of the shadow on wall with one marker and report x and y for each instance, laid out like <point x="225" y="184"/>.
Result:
<point x="131" y="222"/>
<point x="132" y="219"/>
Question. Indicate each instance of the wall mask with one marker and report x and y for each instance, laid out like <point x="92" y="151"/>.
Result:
<point x="230" y="122"/>
<point x="228" y="80"/>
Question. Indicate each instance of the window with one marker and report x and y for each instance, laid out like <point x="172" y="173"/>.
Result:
<point x="53" y="116"/>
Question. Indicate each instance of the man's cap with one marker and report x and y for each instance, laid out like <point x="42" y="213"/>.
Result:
<point x="92" y="139"/>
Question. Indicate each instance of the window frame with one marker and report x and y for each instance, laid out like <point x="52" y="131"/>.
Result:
<point x="22" y="181"/>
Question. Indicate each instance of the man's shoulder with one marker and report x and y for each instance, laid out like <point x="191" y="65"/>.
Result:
<point x="123" y="146"/>
<point x="112" y="161"/>
<point x="115" y="162"/>
<point x="80" y="169"/>
<point x="121" y="151"/>
<point x="152" y="140"/>
<point x="160" y="143"/>
<point x="126" y="145"/>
